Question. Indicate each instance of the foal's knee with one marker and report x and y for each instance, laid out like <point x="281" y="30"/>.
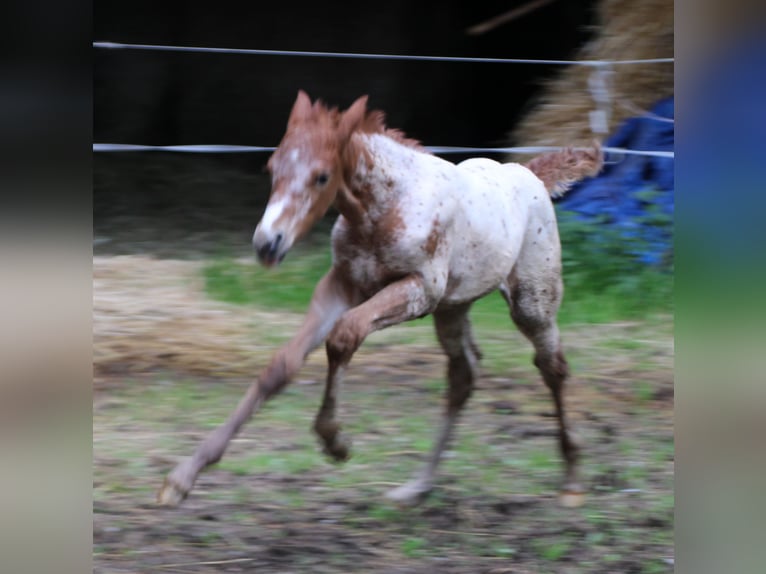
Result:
<point x="281" y="369"/>
<point x="345" y="338"/>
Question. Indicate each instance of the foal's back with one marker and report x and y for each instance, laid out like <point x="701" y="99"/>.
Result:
<point x="495" y="206"/>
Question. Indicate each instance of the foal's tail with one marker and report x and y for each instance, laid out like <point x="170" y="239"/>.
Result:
<point x="560" y="169"/>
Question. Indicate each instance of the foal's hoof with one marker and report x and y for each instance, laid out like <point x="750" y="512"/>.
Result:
<point x="572" y="497"/>
<point x="409" y="494"/>
<point x="171" y="494"/>
<point x="340" y="449"/>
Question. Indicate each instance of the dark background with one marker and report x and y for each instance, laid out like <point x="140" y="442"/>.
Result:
<point x="147" y="201"/>
<point x="189" y="98"/>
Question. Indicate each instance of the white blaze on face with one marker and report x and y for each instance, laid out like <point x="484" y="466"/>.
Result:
<point x="292" y="175"/>
<point x="272" y="213"/>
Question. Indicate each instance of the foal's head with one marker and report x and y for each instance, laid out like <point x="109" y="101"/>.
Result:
<point x="307" y="170"/>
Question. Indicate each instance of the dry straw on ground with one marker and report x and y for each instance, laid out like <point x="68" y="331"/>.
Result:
<point x="151" y="314"/>
<point x="626" y="30"/>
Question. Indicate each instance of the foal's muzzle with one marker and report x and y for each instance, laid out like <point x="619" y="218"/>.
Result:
<point x="270" y="251"/>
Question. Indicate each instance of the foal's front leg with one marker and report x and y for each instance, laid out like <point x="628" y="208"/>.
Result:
<point x="331" y="298"/>
<point x="398" y="302"/>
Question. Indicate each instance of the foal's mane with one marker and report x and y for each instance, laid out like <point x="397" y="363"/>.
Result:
<point x="370" y="122"/>
<point x="327" y="123"/>
<point x="373" y="122"/>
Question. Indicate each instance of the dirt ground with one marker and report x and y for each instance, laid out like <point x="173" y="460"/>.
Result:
<point x="275" y="505"/>
<point x="476" y="521"/>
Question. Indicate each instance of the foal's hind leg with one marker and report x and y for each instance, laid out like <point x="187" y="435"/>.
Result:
<point x="534" y="304"/>
<point x="454" y="332"/>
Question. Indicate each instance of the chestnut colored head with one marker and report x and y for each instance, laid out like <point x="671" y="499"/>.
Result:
<point x="307" y="171"/>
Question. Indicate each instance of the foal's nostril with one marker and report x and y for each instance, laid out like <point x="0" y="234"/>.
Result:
<point x="268" y="251"/>
<point x="264" y="250"/>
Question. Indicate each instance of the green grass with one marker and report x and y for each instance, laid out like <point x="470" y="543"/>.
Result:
<point x="290" y="463"/>
<point x="603" y="281"/>
<point x="552" y="551"/>
<point x="644" y="391"/>
<point x="287" y="287"/>
<point x="413" y="547"/>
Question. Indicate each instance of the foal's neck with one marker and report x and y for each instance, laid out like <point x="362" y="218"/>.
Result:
<point x="377" y="180"/>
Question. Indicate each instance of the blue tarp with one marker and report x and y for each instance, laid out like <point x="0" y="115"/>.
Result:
<point x="633" y="194"/>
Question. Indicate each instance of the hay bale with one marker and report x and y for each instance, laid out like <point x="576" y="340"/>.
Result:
<point x="151" y="314"/>
<point x="627" y="30"/>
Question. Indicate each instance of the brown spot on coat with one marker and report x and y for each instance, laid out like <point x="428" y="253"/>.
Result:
<point x="433" y="240"/>
<point x="452" y="286"/>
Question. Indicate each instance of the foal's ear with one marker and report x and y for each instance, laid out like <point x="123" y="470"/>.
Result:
<point x="301" y="108"/>
<point x="351" y="118"/>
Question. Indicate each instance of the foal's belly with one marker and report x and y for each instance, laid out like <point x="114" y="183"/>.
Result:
<point x="474" y="278"/>
<point x="480" y="262"/>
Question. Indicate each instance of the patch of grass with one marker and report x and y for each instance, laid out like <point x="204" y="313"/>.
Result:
<point x="540" y="461"/>
<point x="552" y="551"/>
<point x="242" y="495"/>
<point x="117" y="488"/>
<point x="383" y="512"/>
<point x="603" y="277"/>
<point x="635" y="475"/>
<point x="654" y="567"/>
<point x="664" y="452"/>
<point x="534" y="461"/>
<point x="294" y="499"/>
<point x="595" y="538"/>
<point x="644" y="391"/>
<point x="287" y="287"/>
<point x="285" y="462"/>
<point x="626" y="448"/>
<point x="210" y="539"/>
<point x="503" y="551"/>
<point x="435" y="386"/>
<point x="205" y="406"/>
<point x="297" y="406"/>
<point x="624" y="344"/>
<point x="664" y="504"/>
<point x="596" y="518"/>
<point x="413" y="547"/>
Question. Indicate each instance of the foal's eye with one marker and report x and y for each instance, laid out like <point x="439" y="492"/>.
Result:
<point x="322" y="179"/>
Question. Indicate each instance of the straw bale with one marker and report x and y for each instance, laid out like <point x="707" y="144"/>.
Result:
<point x="626" y="30"/>
<point x="151" y="314"/>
